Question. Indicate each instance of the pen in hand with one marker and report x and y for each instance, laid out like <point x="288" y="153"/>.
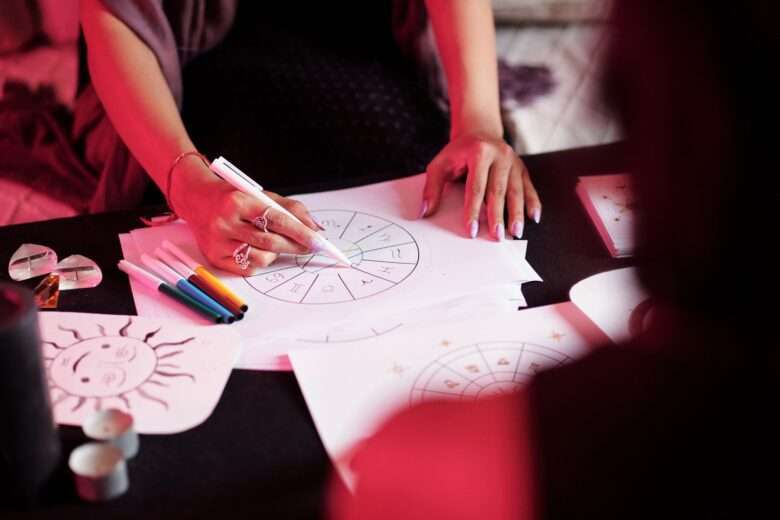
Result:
<point x="240" y="181"/>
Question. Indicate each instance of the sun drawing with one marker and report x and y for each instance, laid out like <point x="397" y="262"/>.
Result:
<point x="106" y="369"/>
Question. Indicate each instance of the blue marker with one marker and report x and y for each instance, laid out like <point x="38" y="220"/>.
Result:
<point x="174" y="278"/>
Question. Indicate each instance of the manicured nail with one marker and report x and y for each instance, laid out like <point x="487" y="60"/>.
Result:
<point x="499" y="232"/>
<point x="517" y="229"/>
<point x="317" y="243"/>
<point x="473" y="228"/>
<point x="537" y="215"/>
<point x="423" y="209"/>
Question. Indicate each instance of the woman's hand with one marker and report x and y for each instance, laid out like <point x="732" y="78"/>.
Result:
<point x="221" y="219"/>
<point x="494" y="174"/>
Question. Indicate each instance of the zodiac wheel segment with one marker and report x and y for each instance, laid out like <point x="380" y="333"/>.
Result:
<point x="482" y="370"/>
<point x="383" y="255"/>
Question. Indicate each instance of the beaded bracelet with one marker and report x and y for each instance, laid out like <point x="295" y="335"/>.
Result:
<point x="169" y="177"/>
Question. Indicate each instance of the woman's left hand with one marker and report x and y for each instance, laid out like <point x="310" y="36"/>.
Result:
<point x="495" y="175"/>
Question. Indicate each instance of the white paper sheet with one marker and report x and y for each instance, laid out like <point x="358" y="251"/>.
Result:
<point x="615" y="301"/>
<point x="168" y="376"/>
<point x="271" y="355"/>
<point x="352" y="389"/>
<point x="401" y="263"/>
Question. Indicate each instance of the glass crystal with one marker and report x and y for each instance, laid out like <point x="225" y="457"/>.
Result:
<point x="47" y="293"/>
<point x="31" y="260"/>
<point x="78" y="272"/>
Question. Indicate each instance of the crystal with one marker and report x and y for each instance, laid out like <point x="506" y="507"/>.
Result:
<point x="31" y="260"/>
<point x="47" y="293"/>
<point x="78" y="272"/>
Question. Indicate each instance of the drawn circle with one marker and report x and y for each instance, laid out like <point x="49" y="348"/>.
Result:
<point x="352" y="335"/>
<point x="383" y="255"/>
<point x="482" y="370"/>
<point x="103" y="366"/>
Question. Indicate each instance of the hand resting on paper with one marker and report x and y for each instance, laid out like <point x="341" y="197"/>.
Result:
<point x="465" y="38"/>
<point x="494" y="174"/>
<point x="221" y="219"/>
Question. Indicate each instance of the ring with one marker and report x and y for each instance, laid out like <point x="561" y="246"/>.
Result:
<point x="261" y="222"/>
<point x="241" y="256"/>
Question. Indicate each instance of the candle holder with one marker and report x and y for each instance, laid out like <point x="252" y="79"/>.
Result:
<point x="29" y="446"/>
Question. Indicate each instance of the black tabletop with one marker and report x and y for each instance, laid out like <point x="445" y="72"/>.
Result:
<point x="259" y="453"/>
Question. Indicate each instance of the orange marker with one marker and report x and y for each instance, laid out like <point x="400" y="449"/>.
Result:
<point x="205" y="280"/>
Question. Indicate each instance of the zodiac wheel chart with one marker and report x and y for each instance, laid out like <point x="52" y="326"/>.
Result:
<point x="383" y="255"/>
<point x="483" y="369"/>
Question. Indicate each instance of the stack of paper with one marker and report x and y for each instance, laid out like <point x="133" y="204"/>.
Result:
<point x="405" y="269"/>
<point x="609" y="201"/>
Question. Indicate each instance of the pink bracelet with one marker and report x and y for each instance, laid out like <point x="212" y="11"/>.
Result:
<point x="169" y="177"/>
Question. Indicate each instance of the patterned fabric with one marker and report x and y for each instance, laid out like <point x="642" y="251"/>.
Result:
<point x="301" y="107"/>
<point x="337" y="98"/>
<point x="35" y="148"/>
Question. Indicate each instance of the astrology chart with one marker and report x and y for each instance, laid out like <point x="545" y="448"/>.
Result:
<point x="483" y="369"/>
<point x="383" y="255"/>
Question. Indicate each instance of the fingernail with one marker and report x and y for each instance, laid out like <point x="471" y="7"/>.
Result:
<point x="537" y="215"/>
<point x="499" y="232"/>
<point x="424" y="208"/>
<point x="317" y="243"/>
<point x="473" y="228"/>
<point x="517" y="229"/>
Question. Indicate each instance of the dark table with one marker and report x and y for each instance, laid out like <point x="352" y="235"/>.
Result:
<point x="259" y="453"/>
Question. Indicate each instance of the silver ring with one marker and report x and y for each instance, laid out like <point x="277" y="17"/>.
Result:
<point x="261" y="222"/>
<point x="241" y="256"/>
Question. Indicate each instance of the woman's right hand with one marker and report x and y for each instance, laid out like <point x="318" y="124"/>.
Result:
<point x="221" y="219"/>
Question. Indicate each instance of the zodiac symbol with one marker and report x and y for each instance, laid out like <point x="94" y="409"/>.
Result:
<point x="330" y="223"/>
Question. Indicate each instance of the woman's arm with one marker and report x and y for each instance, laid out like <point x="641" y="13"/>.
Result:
<point x="465" y="36"/>
<point x="131" y="85"/>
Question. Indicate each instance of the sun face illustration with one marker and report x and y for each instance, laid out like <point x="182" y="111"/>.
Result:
<point x="118" y="367"/>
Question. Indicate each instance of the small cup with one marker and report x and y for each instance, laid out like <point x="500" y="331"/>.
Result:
<point x="99" y="471"/>
<point x="115" y="427"/>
